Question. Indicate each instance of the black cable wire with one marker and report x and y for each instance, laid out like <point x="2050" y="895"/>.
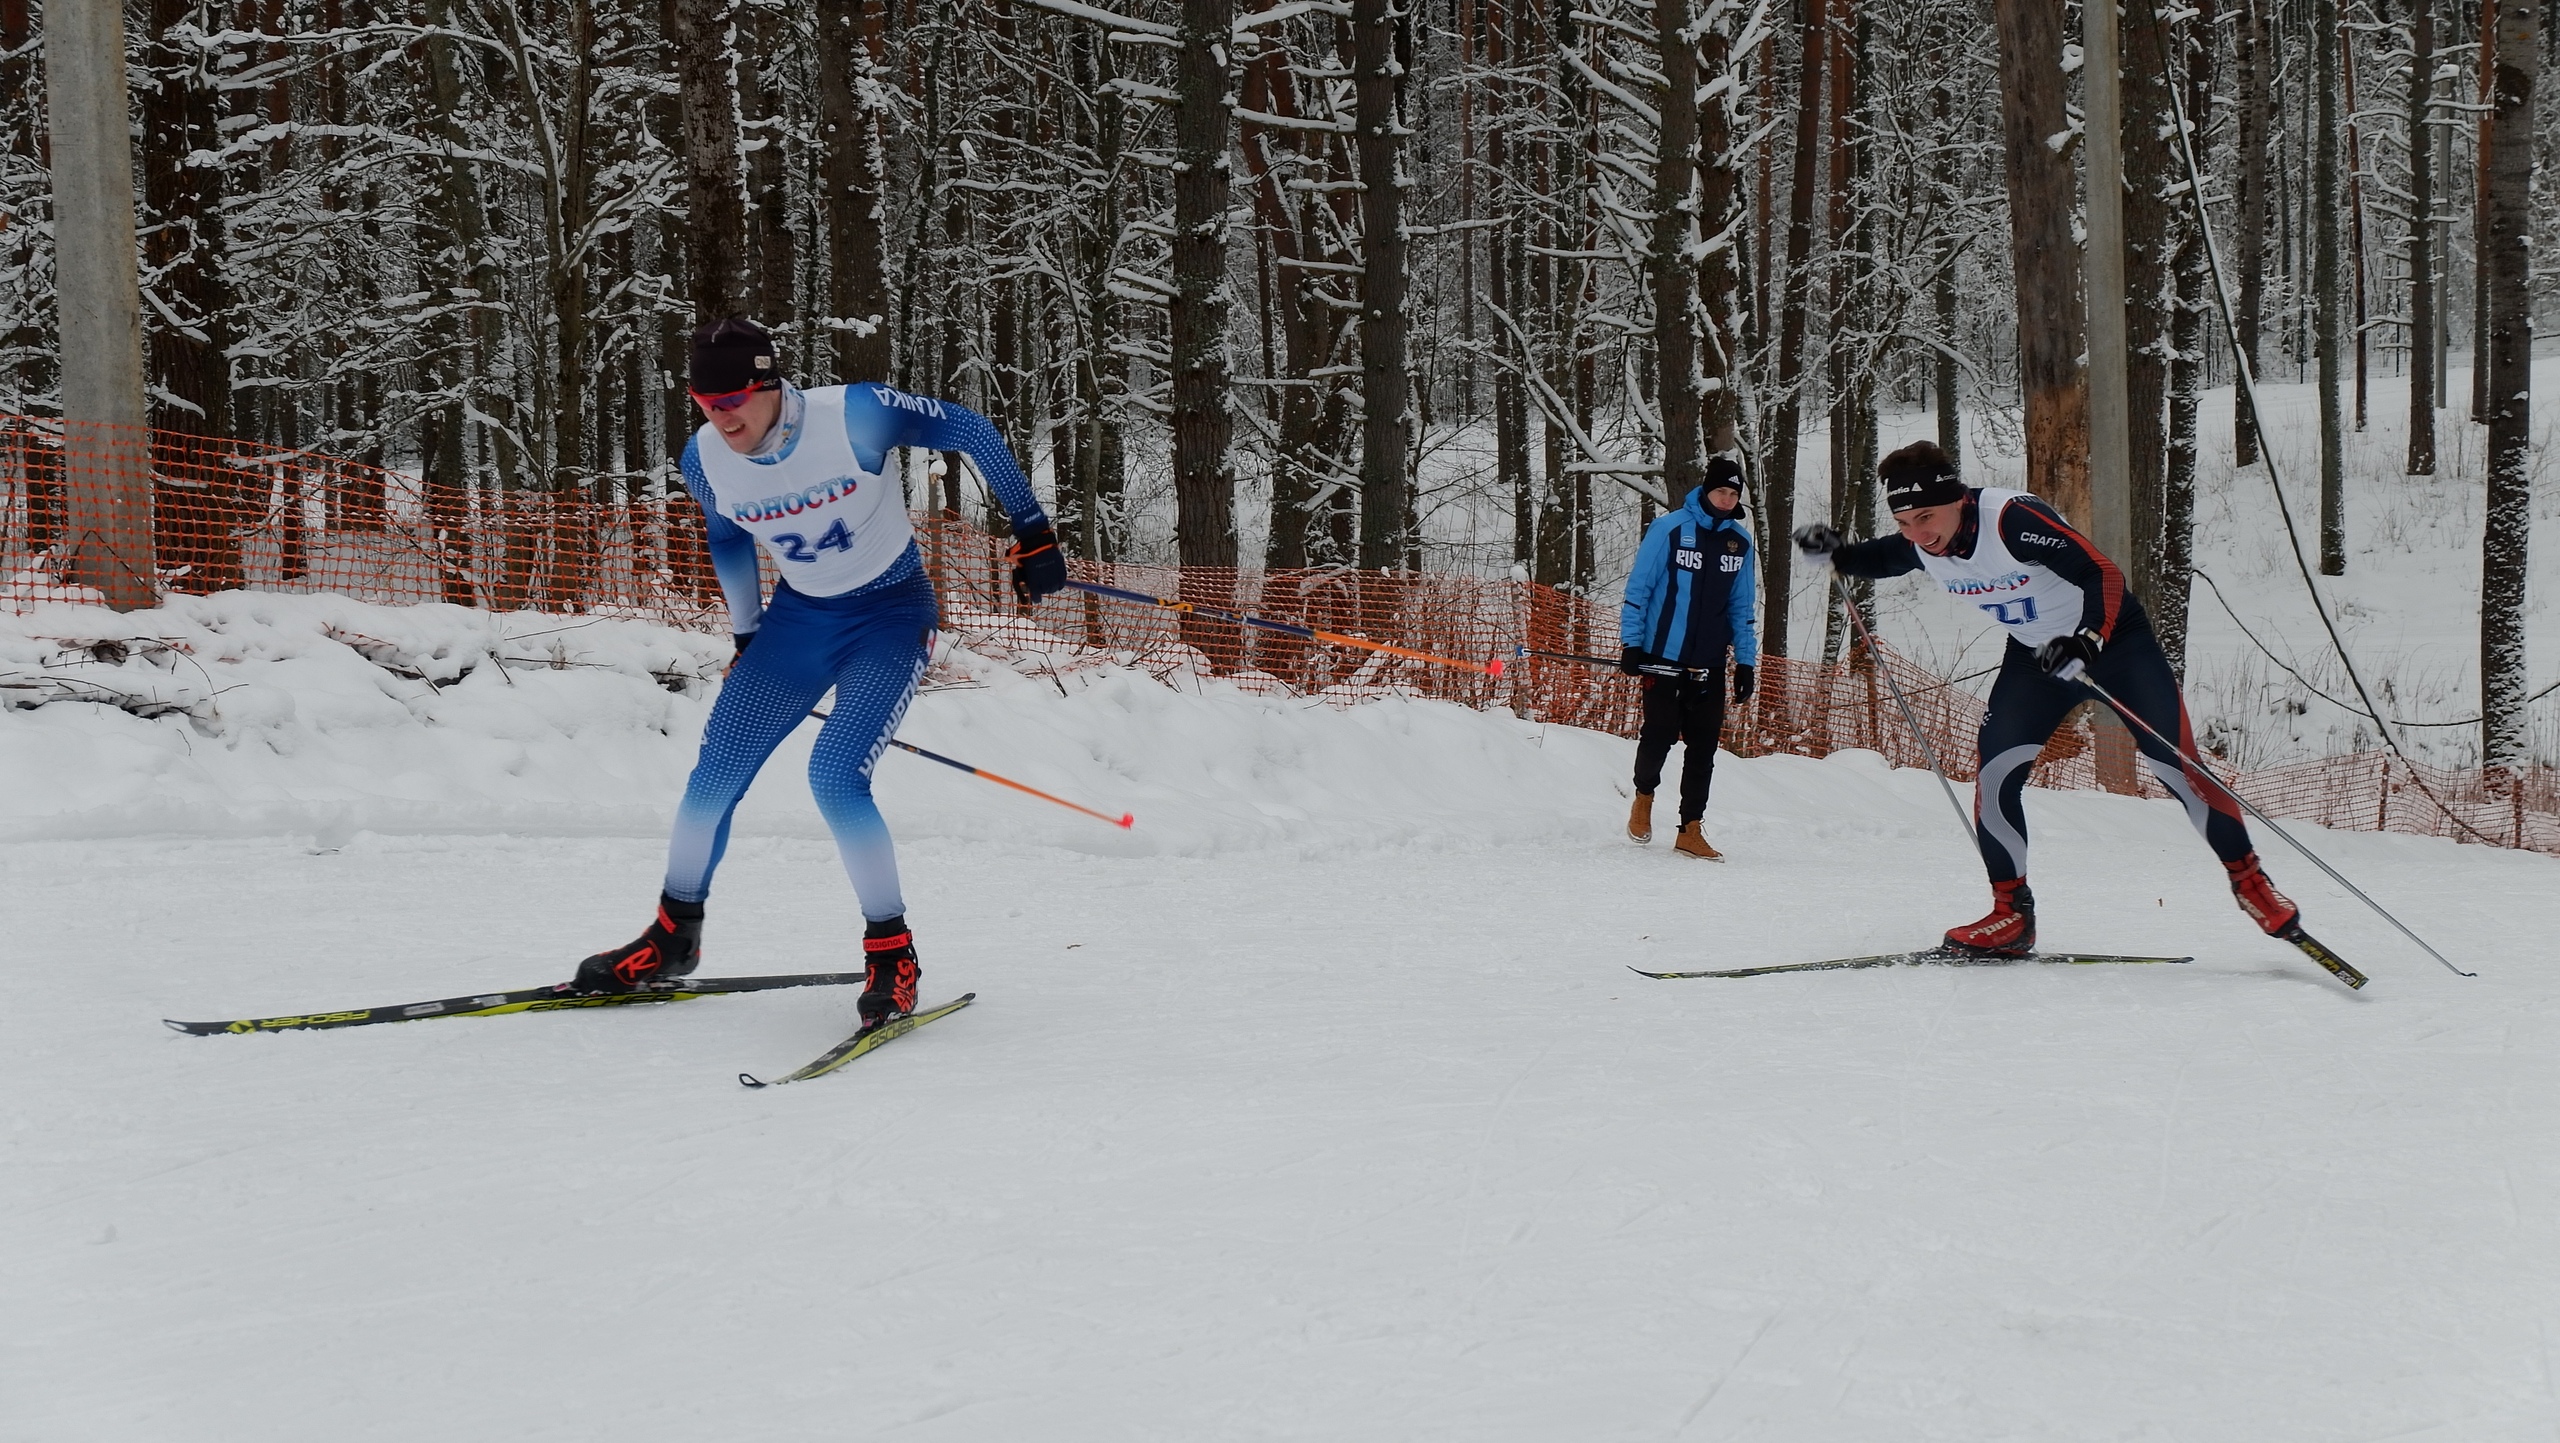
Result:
<point x="2311" y="687"/>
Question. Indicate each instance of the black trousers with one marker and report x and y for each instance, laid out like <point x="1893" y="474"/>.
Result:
<point x="2026" y="708"/>
<point x="1679" y="709"/>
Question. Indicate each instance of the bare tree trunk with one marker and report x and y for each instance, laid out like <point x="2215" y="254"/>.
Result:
<point x="2355" y="220"/>
<point x="850" y="106"/>
<point x="1942" y="292"/>
<point x="2150" y="171"/>
<point x="2249" y="41"/>
<point x="715" y="180"/>
<point x="189" y="328"/>
<point x="1675" y="179"/>
<point x="2508" y="260"/>
<point x="1204" y="488"/>
<point x="1385" y="405"/>
<point x="2422" y="235"/>
<point x="2192" y="269"/>
<point x="2324" y="285"/>
<point x="1778" y="491"/>
<point x="1722" y="226"/>
<point x="2043" y="254"/>
<point x="2483" y="151"/>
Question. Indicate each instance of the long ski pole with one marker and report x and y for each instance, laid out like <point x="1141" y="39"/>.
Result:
<point x="2078" y="673"/>
<point x="1904" y="705"/>
<point x="1284" y="628"/>
<point x="1687" y="673"/>
<point x="1123" y="821"/>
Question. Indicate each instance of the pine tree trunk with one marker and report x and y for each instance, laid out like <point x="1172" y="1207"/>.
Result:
<point x="2188" y="346"/>
<point x="2422" y="233"/>
<point x="2249" y="44"/>
<point x="2043" y="254"/>
<point x="851" y="103"/>
<point x="2325" y="245"/>
<point x="2507" y="259"/>
<point x="1675" y="179"/>
<point x="1778" y="492"/>
<point x="1385" y="406"/>
<point x="1203" y="487"/>
<point x="2150" y="171"/>
<point x="1721" y="227"/>
<point x="715" y="180"/>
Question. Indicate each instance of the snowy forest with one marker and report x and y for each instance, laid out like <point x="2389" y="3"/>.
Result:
<point x="1298" y="284"/>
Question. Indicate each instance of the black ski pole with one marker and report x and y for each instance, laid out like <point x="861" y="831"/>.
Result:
<point x="1904" y="706"/>
<point x="2076" y="672"/>
<point x="1686" y="673"/>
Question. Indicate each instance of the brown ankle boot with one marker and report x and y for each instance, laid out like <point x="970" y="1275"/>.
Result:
<point x="1640" y="818"/>
<point x="1693" y="840"/>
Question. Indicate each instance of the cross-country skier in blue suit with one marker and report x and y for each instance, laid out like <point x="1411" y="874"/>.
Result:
<point x="804" y="475"/>
<point x="1690" y="600"/>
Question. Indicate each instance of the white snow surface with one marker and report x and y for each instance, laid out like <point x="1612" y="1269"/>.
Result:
<point x="1320" y="1105"/>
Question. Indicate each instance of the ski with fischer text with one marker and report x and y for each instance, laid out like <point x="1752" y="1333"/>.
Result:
<point x="554" y="998"/>
<point x="2318" y="951"/>
<point x="862" y="1042"/>
<point x="1932" y="956"/>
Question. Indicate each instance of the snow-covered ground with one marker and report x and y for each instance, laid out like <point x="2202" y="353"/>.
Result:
<point x="1321" y="1105"/>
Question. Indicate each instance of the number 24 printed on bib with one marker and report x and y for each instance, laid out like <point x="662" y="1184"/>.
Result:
<point x="795" y="547"/>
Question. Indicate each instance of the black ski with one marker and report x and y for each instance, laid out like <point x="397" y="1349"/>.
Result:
<point x="862" y="1042"/>
<point x="1935" y="956"/>
<point x="2318" y="951"/>
<point x="554" y="998"/>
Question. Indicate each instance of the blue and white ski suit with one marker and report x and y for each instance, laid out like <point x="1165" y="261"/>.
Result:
<point x="853" y="610"/>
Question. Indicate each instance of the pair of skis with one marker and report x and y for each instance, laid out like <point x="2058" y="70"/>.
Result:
<point x="559" y="998"/>
<point x="2312" y="947"/>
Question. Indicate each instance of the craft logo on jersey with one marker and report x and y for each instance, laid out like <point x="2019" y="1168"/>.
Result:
<point x="2038" y="538"/>
<point x="792" y="503"/>
<point x="921" y="405"/>
<point x="1984" y="586"/>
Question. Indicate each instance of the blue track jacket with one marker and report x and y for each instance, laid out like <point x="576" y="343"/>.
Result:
<point x="1691" y="592"/>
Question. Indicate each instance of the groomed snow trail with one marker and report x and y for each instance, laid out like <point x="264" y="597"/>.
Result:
<point x="1322" y="1106"/>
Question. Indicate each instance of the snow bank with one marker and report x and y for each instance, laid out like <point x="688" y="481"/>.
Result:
<point x="256" y="714"/>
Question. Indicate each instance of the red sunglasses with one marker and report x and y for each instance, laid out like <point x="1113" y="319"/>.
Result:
<point x="731" y="400"/>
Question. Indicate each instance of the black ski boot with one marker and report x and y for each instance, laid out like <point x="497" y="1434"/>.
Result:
<point x="889" y="972"/>
<point x="668" y="950"/>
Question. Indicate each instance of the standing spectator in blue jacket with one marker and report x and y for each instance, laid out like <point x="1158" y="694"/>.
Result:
<point x="1690" y="600"/>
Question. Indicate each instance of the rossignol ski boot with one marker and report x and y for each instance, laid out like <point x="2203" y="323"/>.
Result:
<point x="669" y="949"/>
<point x="889" y="972"/>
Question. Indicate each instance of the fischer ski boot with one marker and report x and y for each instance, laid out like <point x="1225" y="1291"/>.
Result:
<point x="2272" y="910"/>
<point x="2010" y="930"/>
<point x="1640" y="818"/>
<point x="1692" y="841"/>
<point x="668" y="950"/>
<point x="889" y="972"/>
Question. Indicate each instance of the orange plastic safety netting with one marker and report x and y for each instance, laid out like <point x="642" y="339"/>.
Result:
<point x="229" y="515"/>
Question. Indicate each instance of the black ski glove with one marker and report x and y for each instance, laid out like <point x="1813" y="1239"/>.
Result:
<point x="1632" y="661"/>
<point x="2064" y="656"/>
<point x="1746" y="680"/>
<point x="1039" y="567"/>
<point x="743" y="640"/>
<point x="1819" y="539"/>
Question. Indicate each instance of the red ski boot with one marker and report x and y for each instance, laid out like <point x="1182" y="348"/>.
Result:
<point x="668" y="950"/>
<point x="890" y="971"/>
<point x="2272" y="910"/>
<point x="2009" y="931"/>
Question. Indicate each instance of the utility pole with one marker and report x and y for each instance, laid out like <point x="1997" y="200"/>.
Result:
<point x="2110" y="518"/>
<point x="106" y="448"/>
